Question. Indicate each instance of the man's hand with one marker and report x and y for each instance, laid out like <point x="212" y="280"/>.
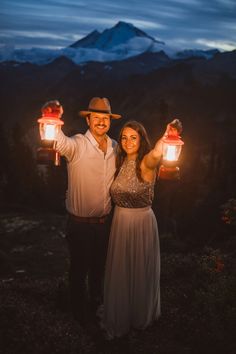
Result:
<point x="52" y="108"/>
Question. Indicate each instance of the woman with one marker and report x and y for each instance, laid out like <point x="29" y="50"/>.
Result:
<point x="132" y="277"/>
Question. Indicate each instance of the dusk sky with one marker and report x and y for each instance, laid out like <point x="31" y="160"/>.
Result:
<point x="58" y="23"/>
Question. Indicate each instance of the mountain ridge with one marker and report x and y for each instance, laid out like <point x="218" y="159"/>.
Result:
<point x="119" y="42"/>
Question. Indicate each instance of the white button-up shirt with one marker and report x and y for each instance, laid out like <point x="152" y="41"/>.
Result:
<point x="90" y="174"/>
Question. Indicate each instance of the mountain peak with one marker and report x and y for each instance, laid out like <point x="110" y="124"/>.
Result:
<point x="119" y="34"/>
<point x="123" y="24"/>
<point x="129" y="27"/>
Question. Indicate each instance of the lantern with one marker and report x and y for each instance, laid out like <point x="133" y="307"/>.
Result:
<point x="172" y="146"/>
<point x="49" y="125"/>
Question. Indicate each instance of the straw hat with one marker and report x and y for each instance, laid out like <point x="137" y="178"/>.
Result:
<point x="99" y="105"/>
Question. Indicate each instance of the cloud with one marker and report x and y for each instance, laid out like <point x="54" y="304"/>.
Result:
<point x="222" y="45"/>
<point x="145" y="25"/>
<point x="64" y="21"/>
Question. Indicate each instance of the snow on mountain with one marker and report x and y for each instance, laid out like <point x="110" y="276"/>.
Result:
<point x="117" y="43"/>
<point x="38" y="56"/>
<point x="188" y="53"/>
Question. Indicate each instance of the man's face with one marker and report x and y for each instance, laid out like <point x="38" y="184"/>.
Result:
<point x="99" y="123"/>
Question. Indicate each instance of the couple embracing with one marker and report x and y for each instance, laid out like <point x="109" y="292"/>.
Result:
<point x="102" y="173"/>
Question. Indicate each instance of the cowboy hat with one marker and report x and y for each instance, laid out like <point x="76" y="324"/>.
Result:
<point x="99" y="105"/>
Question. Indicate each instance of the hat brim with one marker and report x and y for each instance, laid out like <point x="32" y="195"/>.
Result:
<point x="84" y="114"/>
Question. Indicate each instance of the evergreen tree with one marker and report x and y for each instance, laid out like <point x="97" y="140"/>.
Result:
<point x="24" y="184"/>
<point x="4" y="162"/>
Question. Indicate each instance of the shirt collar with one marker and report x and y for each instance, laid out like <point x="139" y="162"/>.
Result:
<point x="90" y="136"/>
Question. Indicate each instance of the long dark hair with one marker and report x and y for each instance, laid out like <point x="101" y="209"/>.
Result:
<point x="144" y="148"/>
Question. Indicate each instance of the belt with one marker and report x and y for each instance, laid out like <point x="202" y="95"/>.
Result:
<point x="89" y="220"/>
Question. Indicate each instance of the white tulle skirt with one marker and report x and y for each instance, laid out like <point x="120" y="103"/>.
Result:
<point x="132" y="277"/>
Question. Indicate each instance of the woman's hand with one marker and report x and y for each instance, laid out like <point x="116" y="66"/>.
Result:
<point x="174" y="128"/>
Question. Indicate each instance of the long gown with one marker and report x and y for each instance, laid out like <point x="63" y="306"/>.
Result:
<point x="132" y="275"/>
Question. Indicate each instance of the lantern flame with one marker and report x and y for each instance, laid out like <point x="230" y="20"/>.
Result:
<point x="50" y="132"/>
<point x="171" y="153"/>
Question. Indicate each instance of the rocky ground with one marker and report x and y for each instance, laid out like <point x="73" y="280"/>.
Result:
<point x="197" y="291"/>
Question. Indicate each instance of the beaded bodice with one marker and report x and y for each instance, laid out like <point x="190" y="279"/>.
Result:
<point x="128" y="191"/>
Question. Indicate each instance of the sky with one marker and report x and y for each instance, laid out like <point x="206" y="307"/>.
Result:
<point x="55" y="24"/>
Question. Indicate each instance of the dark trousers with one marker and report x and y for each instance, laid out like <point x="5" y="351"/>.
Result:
<point x="88" y="249"/>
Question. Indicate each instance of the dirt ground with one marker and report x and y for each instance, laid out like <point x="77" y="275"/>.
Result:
<point x="197" y="297"/>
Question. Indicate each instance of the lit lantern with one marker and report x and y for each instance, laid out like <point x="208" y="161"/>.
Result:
<point x="49" y="125"/>
<point x="172" y="146"/>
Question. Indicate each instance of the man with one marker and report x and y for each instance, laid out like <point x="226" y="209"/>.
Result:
<point x="91" y="167"/>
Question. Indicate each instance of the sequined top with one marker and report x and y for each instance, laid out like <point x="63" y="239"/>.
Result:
<point x="127" y="191"/>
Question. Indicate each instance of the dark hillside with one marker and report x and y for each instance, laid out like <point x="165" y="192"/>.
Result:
<point x="196" y="215"/>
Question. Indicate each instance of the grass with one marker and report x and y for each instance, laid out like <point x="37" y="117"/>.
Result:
<point x="197" y="293"/>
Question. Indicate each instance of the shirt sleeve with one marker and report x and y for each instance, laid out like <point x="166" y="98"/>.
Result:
<point x="70" y="147"/>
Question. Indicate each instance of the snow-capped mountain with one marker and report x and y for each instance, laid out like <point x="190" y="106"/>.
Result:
<point x="109" y="39"/>
<point x="120" y="42"/>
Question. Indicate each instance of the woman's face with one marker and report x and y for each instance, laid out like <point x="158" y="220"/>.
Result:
<point x="130" y="141"/>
